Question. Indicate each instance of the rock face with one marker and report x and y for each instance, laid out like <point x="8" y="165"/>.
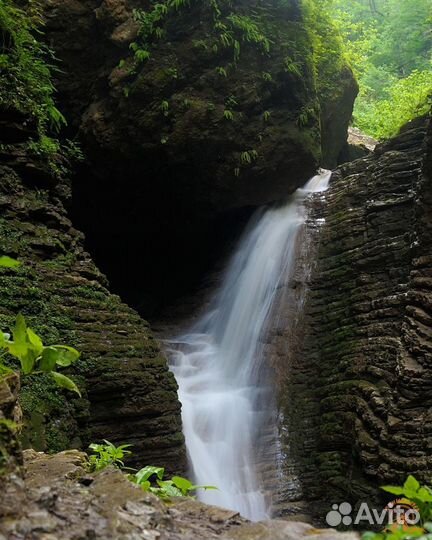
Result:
<point x="10" y="417"/>
<point x="59" y="500"/>
<point x="357" y="386"/>
<point x="181" y="146"/>
<point x="128" y="393"/>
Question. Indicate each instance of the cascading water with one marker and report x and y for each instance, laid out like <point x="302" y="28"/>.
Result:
<point x="220" y="367"/>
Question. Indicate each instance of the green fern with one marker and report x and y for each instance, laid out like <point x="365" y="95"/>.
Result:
<point x="228" y="115"/>
<point x="221" y="71"/>
<point x="164" y="107"/>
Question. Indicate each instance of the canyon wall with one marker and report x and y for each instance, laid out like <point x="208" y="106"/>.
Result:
<point x="356" y="388"/>
<point x="129" y="395"/>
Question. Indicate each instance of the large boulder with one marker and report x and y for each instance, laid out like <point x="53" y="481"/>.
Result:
<point x="181" y="146"/>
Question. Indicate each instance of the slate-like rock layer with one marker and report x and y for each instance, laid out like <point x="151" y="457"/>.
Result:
<point x="358" y="391"/>
<point x="129" y="394"/>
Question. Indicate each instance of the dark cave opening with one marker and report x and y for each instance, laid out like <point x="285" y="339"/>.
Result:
<point x="152" y="242"/>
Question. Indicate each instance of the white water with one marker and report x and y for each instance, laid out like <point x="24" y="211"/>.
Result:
<point x="220" y="367"/>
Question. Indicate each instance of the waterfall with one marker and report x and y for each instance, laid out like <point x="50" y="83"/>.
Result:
<point x="219" y="364"/>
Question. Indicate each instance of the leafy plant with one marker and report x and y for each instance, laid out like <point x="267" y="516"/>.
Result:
<point x="421" y="496"/>
<point x="248" y="156"/>
<point x="266" y="76"/>
<point x="107" y="454"/>
<point x="228" y="115"/>
<point x="401" y="533"/>
<point x="35" y="357"/>
<point x="221" y="71"/>
<point x="164" y="107"/>
<point x="266" y="116"/>
<point x="165" y="489"/>
<point x="8" y="262"/>
<point x="25" y="71"/>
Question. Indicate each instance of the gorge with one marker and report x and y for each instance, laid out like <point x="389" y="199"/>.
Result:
<point x="286" y="360"/>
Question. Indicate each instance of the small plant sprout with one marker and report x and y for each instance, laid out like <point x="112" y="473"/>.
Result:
<point x="266" y="116"/>
<point x="237" y="172"/>
<point x="228" y="115"/>
<point x="107" y="454"/>
<point x="266" y="76"/>
<point x="36" y="358"/>
<point x="221" y="71"/>
<point x="165" y="107"/>
<point x="248" y="156"/>
<point x="165" y="489"/>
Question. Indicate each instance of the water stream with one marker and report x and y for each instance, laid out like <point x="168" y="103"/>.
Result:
<point x="224" y="382"/>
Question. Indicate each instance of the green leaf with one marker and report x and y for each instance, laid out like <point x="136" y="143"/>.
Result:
<point x="65" y="382"/>
<point x="48" y="359"/>
<point x="168" y="489"/>
<point x="205" y="487"/>
<point x="411" y="484"/>
<point x="183" y="484"/>
<point x="20" y="331"/>
<point x="8" y="262"/>
<point x="36" y="341"/>
<point x="65" y="355"/>
<point x="424" y="494"/>
<point x="146" y="472"/>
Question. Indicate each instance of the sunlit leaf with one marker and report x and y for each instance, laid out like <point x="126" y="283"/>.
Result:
<point x="65" y="355"/>
<point x="8" y="262"/>
<point x="35" y="340"/>
<point x="65" y="382"/>
<point x="146" y="472"/>
<point x="48" y="360"/>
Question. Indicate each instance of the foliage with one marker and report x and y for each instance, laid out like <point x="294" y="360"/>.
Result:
<point x="230" y="29"/>
<point x="327" y="45"/>
<point x="107" y="454"/>
<point x="421" y="496"/>
<point x="165" y="489"/>
<point x="408" y="98"/>
<point x="248" y="156"/>
<point x="149" y="478"/>
<point x="389" y="45"/>
<point x="35" y="357"/>
<point x="8" y="262"/>
<point x="25" y="68"/>
<point x="402" y="533"/>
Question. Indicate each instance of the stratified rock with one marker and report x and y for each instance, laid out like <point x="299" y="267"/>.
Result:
<point x="10" y="418"/>
<point x="129" y="395"/>
<point x="358" y="375"/>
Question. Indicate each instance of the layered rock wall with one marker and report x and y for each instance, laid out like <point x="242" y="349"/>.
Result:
<point x="128" y="393"/>
<point x="357" y="394"/>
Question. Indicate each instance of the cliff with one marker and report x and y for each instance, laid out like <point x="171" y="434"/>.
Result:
<point x="190" y="116"/>
<point x="128" y="393"/>
<point x="356" y="395"/>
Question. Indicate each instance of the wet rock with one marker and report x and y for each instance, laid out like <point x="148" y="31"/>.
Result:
<point x="357" y="385"/>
